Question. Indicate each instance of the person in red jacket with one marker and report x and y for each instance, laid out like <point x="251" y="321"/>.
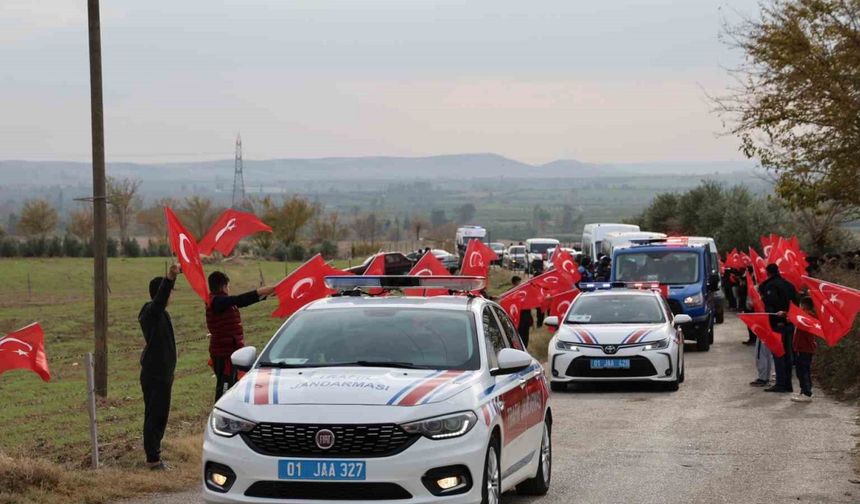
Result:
<point x="225" y="326"/>
<point x="804" y="349"/>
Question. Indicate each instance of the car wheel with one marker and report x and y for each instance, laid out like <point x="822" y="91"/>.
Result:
<point x="721" y="313"/>
<point x="558" y="386"/>
<point x="711" y="332"/>
<point x="491" y="492"/>
<point x="683" y="375"/>
<point x="539" y="485"/>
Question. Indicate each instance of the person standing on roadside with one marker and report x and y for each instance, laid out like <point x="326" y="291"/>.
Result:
<point x="157" y="365"/>
<point x="777" y="294"/>
<point x="225" y="326"/>
<point x="526" y="320"/>
<point x="804" y="349"/>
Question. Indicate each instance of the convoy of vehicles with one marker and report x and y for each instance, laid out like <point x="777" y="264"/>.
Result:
<point x="617" y="334"/>
<point x="514" y="257"/>
<point x="396" y="263"/>
<point x="612" y="241"/>
<point x="685" y="269"/>
<point x="465" y="234"/>
<point x="536" y="253"/>
<point x="384" y="398"/>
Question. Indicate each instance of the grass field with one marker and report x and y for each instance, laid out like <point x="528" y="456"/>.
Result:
<point x="44" y="446"/>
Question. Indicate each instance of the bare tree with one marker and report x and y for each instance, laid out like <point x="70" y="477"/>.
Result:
<point x="198" y="215"/>
<point x="287" y="219"/>
<point x="328" y="228"/>
<point x="367" y="228"/>
<point x="418" y="224"/>
<point x="122" y="202"/>
<point x="152" y="220"/>
<point x="38" y="218"/>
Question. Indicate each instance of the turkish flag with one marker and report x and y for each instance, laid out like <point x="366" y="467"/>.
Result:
<point x="25" y="349"/>
<point x="834" y="325"/>
<point x="553" y="282"/>
<point x="511" y="305"/>
<point x="183" y="244"/>
<point x="559" y="304"/>
<point x="376" y="268"/>
<point x="838" y="304"/>
<point x="477" y="259"/>
<point x="564" y="262"/>
<point x="805" y="321"/>
<point x="527" y="295"/>
<point x="734" y="260"/>
<point x="754" y="296"/>
<point x="428" y="265"/>
<point x="305" y="284"/>
<point x="789" y="262"/>
<point x="229" y="229"/>
<point x="759" y="266"/>
<point x="767" y="244"/>
<point x="759" y="324"/>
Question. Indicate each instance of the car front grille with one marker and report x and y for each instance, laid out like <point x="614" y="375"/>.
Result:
<point x="639" y="367"/>
<point x="326" y="491"/>
<point x="350" y="440"/>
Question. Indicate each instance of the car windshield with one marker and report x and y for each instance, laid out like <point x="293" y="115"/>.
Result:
<point x="540" y="248"/>
<point x="664" y="266"/>
<point x="377" y="336"/>
<point x="518" y="250"/>
<point x="615" y="309"/>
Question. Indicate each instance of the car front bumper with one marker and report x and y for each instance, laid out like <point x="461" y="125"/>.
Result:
<point x="404" y="469"/>
<point x="653" y="365"/>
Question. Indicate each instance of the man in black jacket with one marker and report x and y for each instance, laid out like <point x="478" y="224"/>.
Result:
<point x="157" y="363"/>
<point x="778" y="294"/>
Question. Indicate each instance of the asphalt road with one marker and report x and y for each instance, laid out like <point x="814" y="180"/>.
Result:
<point x="717" y="440"/>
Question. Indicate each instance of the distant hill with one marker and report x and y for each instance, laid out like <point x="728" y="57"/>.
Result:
<point x="449" y="167"/>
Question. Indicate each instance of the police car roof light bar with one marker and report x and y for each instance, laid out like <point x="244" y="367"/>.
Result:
<point x="592" y="286"/>
<point x="396" y="282"/>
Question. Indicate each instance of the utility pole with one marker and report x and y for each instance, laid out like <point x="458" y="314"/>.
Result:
<point x="239" y="201"/>
<point x="99" y="200"/>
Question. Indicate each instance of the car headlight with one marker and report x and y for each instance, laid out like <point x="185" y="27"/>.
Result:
<point x="694" y="300"/>
<point x="657" y="345"/>
<point x="443" y="427"/>
<point x="227" y="425"/>
<point x="564" y="345"/>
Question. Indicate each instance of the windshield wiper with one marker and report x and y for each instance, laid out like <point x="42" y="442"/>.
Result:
<point x="392" y="364"/>
<point x="284" y="365"/>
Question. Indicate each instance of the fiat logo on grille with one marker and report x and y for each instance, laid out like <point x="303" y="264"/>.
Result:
<point x="610" y="349"/>
<point x="324" y="439"/>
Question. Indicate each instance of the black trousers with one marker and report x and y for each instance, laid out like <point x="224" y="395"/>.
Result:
<point x="783" y="365"/>
<point x="219" y="363"/>
<point x="156" y="400"/>
<point x="803" y="368"/>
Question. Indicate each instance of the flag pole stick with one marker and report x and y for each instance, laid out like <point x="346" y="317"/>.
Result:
<point x="91" y="407"/>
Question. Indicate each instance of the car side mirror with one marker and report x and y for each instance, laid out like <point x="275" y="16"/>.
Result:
<point x="551" y="321"/>
<point x="512" y="361"/>
<point x="714" y="282"/>
<point x="681" y="319"/>
<point x="244" y="358"/>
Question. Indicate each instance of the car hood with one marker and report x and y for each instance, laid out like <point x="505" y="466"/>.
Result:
<point x="349" y="386"/>
<point x="612" y="334"/>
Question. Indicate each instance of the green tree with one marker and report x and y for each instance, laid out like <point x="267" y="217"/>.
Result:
<point x="797" y="103"/>
<point x="198" y="215"/>
<point x="287" y="219"/>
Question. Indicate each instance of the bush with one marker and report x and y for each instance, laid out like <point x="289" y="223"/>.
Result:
<point x="295" y="252"/>
<point x="837" y="369"/>
<point x="55" y="247"/>
<point x="328" y="250"/>
<point x="131" y="248"/>
<point x="278" y="252"/>
<point x="112" y="247"/>
<point x="34" y="247"/>
<point x="71" y="246"/>
<point x="8" y="247"/>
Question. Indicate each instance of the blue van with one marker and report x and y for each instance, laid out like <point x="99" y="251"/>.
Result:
<point x="686" y="271"/>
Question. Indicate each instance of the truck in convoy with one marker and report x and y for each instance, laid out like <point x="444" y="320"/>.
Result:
<point x="715" y="270"/>
<point x="537" y="251"/>
<point x="593" y="235"/>
<point x="613" y="241"/>
<point x="685" y="275"/>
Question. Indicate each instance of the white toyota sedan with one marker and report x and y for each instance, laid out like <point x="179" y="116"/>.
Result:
<point x="617" y="335"/>
<point x="366" y="399"/>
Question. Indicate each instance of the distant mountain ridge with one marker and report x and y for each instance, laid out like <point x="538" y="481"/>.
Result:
<point x="451" y="167"/>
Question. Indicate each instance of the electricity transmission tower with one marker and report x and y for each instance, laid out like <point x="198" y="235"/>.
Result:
<point x="238" y="178"/>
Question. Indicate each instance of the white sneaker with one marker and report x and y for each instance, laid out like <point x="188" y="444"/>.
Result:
<point x="801" y="398"/>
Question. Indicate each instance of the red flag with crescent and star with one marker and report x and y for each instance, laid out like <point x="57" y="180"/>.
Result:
<point x="559" y="304"/>
<point x="376" y="268"/>
<point x="511" y="305"/>
<point x="805" y="321"/>
<point x="305" y="284"/>
<point x="183" y="244"/>
<point x="527" y="296"/>
<point x="754" y="295"/>
<point x="564" y="262"/>
<point x="428" y="265"/>
<point x="836" y="306"/>
<point x="229" y="229"/>
<point x="759" y="324"/>
<point x="477" y="259"/>
<point x="759" y="266"/>
<point x="25" y="349"/>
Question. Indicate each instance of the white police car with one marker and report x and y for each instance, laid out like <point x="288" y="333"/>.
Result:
<point x="617" y="334"/>
<point x="363" y="399"/>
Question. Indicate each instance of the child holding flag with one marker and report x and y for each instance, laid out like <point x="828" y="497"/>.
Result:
<point x="804" y="349"/>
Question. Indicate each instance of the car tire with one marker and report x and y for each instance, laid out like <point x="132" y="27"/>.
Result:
<point x="711" y="333"/>
<point x="558" y="386"/>
<point x="491" y="491"/>
<point x="539" y="485"/>
<point x="683" y="375"/>
<point x="673" y="386"/>
<point x="721" y="313"/>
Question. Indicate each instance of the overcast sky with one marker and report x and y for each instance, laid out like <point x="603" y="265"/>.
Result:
<point x="602" y="81"/>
